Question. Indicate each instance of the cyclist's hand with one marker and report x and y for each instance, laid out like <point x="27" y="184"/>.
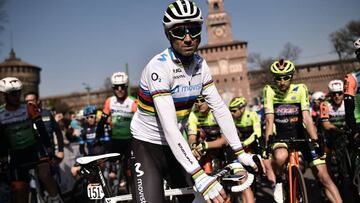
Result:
<point x="319" y="148"/>
<point x="209" y="187"/>
<point x="201" y="147"/>
<point x="266" y="151"/>
<point x="247" y="160"/>
<point x="60" y="155"/>
<point x="198" y="150"/>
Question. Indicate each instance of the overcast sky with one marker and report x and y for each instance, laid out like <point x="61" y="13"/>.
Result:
<point x="85" y="41"/>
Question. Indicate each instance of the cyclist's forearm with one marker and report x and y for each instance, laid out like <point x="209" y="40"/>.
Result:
<point x="60" y="140"/>
<point x="223" y="118"/>
<point x="58" y="133"/>
<point x="191" y="138"/>
<point x="269" y="124"/>
<point x="349" y="112"/>
<point x="100" y="125"/>
<point x="309" y="125"/>
<point x="249" y="140"/>
<point x="167" y="116"/>
<point x="44" y="138"/>
<point x="218" y="143"/>
<point x="331" y="127"/>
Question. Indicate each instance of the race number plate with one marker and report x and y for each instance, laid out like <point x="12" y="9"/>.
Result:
<point x="95" y="191"/>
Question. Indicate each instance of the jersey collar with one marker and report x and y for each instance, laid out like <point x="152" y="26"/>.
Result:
<point x="196" y="58"/>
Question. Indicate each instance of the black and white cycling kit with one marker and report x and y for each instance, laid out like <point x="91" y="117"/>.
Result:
<point x="167" y="92"/>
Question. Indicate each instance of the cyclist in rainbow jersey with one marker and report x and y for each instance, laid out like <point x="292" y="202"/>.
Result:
<point x="169" y="86"/>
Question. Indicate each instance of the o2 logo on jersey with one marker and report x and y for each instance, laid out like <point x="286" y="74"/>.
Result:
<point x="155" y="77"/>
<point x="139" y="172"/>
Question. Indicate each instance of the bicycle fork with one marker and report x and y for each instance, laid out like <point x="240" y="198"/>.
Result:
<point x="293" y="161"/>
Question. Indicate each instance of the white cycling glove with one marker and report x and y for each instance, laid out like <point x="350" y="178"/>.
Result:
<point x="246" y="159"/>
<point x="207" y="185"/>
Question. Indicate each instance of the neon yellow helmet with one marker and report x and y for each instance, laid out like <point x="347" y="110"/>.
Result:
<point x="282" y="67"/>
<point x="237" y="103"/>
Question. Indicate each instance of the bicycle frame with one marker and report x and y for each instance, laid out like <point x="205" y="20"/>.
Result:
<point x="293" y="161"/>
<point x="90" y="168"/>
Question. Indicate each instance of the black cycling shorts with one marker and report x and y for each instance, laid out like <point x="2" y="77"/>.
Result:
<point x="21" y="161"/>
<point x="151" y="164"/>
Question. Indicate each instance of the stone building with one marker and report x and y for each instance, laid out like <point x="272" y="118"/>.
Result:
<point x="28" y="74"/>
<point x="227" y="58"/>
<point x="77" y="101"/>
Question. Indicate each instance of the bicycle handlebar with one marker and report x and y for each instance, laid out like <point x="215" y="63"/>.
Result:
<point x="188" y="190"/>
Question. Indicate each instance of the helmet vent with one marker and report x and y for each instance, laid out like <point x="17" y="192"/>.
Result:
<point x="281" y="61"/>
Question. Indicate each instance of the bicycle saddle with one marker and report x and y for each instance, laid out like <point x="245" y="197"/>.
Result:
<point x="89" y="159"/>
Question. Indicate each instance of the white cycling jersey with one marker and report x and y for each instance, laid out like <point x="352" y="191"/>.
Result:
<point x="167" y="93"/>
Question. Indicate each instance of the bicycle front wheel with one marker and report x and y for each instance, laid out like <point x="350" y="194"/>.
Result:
<point x="299" y="193"/>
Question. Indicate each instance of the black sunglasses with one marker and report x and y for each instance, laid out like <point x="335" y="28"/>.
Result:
<point x="285" y="78"/>
<point x="14" y="93"/>
<point x="92" y="116"/>
<point x="120" y="87"/>
<point x="200" y="101"/>
<point x="337" y="93"/>
<point x="180" y="32"/>
<point x="233" y="110"/>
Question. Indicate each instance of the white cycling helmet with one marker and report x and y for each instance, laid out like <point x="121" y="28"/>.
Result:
<point x="10" y="84"/>
<point x="357" y="43"/>
<point x="318" y="95"/>
<point x="182" y="11"/>
<point x="119" y="78"/>
<point x="336" y="86"/>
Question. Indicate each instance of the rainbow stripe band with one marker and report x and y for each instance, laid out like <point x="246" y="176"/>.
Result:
<point x="240" y="151"/>
<point x="198" y="172"/>
<point x="208" y="84"/>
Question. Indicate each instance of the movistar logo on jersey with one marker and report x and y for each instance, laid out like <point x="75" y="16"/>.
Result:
<point x="187" y="88"/>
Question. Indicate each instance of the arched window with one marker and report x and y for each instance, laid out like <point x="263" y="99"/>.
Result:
<point x="216" y="6"/>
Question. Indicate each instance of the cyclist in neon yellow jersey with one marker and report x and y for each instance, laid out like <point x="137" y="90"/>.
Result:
<point x="207" y="141"/>
<point x="287" y="106"/>
<point x="203" y="128"/>
<point x="247" y="123"/>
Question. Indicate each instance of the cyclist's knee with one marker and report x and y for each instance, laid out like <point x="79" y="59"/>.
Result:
<point x="280" y="156"/>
